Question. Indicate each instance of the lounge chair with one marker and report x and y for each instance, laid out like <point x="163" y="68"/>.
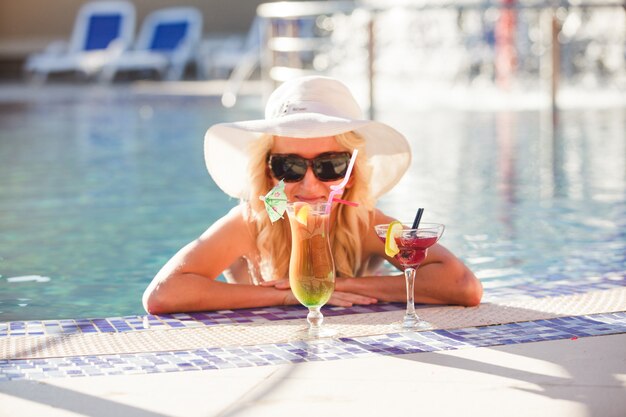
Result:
<point x="220" y="58"/>
<point x="102" y="29"/>
<point x="166" y="44"/>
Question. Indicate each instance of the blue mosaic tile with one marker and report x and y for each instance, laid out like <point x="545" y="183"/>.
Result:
<point x="553" y="285"/>
<point x="326" y="350"/>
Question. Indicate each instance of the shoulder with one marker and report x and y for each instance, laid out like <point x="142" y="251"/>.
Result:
<point x="234" y="226"/>
<point x="216" y="249"/>
<point x="378" y="217"/>
<point x="236" y="217"/>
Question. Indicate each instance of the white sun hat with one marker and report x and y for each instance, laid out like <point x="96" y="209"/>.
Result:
<point x="307" y="107"/>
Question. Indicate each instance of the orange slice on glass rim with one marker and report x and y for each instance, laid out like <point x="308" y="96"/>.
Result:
<point x="394" y="230"/>
<point x="303" y="214"/>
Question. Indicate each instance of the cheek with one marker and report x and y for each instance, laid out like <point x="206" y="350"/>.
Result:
<point x="290" y="188"/>
<point x="294" y="188"/>
<point x="328" y="184"/>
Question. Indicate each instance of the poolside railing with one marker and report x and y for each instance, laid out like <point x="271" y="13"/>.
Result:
<point x="495" y="41"/>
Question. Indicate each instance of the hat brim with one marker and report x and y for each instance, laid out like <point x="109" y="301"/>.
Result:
<point x="226" y="144"/>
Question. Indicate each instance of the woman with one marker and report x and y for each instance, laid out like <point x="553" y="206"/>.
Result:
<point x="311" y="126"/>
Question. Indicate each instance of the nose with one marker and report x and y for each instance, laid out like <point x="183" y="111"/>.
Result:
<point x="309" y="178"/>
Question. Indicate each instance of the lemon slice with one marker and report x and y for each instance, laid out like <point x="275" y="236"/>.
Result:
<point x="394" y="230"/>
<point x="303" y="214"/>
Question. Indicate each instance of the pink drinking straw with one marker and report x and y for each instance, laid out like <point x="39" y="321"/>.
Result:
<point x="338" y="189"/>
<point x="346" y="202"/>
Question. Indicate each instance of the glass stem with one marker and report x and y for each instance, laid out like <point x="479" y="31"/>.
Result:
<point x="409" y="275"/>
<point x="315" y="319"/>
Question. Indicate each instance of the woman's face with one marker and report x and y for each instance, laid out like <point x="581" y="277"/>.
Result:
<point x="310" y="189"/>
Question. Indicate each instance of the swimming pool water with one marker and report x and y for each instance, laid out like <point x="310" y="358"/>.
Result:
<point x="523" y="199"/>
<point x="98" y="191"/>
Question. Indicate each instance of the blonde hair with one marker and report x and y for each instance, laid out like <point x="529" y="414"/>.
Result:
<point x="350" y="222"/>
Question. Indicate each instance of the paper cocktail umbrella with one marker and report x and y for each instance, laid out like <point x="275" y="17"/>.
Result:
<point x="275" y="201"/>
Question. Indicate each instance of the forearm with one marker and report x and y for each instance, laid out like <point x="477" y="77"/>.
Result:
<point x="391" y="288"/>
<point x="191" y="292"/>
<point x="435" y="283"/>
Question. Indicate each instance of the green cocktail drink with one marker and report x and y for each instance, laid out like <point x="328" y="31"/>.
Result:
<point x="311" y="265"/>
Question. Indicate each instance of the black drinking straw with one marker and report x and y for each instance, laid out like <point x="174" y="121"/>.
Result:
<point x="418" y="217"/>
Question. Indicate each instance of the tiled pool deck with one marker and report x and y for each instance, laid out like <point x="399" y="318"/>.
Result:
<point x="612" y="320"/>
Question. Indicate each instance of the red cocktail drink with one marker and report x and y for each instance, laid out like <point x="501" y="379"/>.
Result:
<point x="412" y="245"/>
<point x="413" y="248"/>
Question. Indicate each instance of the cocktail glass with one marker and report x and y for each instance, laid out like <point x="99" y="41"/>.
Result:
<point x="413" y="245"/>
<point x="311" y="265"/>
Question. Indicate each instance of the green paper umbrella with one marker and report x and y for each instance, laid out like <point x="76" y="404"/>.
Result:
<point x="275" y="201"/>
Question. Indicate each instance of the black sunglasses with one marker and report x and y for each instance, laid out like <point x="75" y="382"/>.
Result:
<point x="329" y="166"/>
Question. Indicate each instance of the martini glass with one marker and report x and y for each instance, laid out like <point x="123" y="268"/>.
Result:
<point x="413" y="245"/>
<point x="311" y="265"/>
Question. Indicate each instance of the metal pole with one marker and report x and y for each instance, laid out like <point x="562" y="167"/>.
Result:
<point x="371" y="46"/>
<point x="556" y="60"/>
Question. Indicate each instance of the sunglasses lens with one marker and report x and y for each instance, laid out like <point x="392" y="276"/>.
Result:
<point x="331" y="167"/>
<point x="326" y="167"/>
<point x="289" y="168"/>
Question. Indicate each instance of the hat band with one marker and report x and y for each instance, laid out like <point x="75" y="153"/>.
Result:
<point x="303" y="106"/>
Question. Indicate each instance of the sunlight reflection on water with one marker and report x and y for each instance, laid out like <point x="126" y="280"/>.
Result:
<point x="97" y="195"/>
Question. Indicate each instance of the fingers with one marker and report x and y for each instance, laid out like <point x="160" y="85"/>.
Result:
<point x="339" y="303"/>
<point x="280" y="284"/>
<point x="339" y="298"/>
<point x="346" y="299"/>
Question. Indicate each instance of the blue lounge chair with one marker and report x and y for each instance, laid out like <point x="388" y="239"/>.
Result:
<point x="166" y="44"/>
<point x="102" y="29"/>
<point x="221" y="57"/>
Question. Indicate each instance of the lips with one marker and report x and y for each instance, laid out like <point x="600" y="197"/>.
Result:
<point x="311" y="199"/>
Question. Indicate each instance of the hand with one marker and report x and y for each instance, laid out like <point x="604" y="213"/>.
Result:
<point x="339" y="298"/>
<point x="283" y="285"/>
<point x="348" y="299"/>
<point x="279" y="284"/>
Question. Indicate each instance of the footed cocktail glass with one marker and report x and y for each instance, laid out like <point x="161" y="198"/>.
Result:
<point x="413" y="245"/>
<point x="311" y="265"/>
